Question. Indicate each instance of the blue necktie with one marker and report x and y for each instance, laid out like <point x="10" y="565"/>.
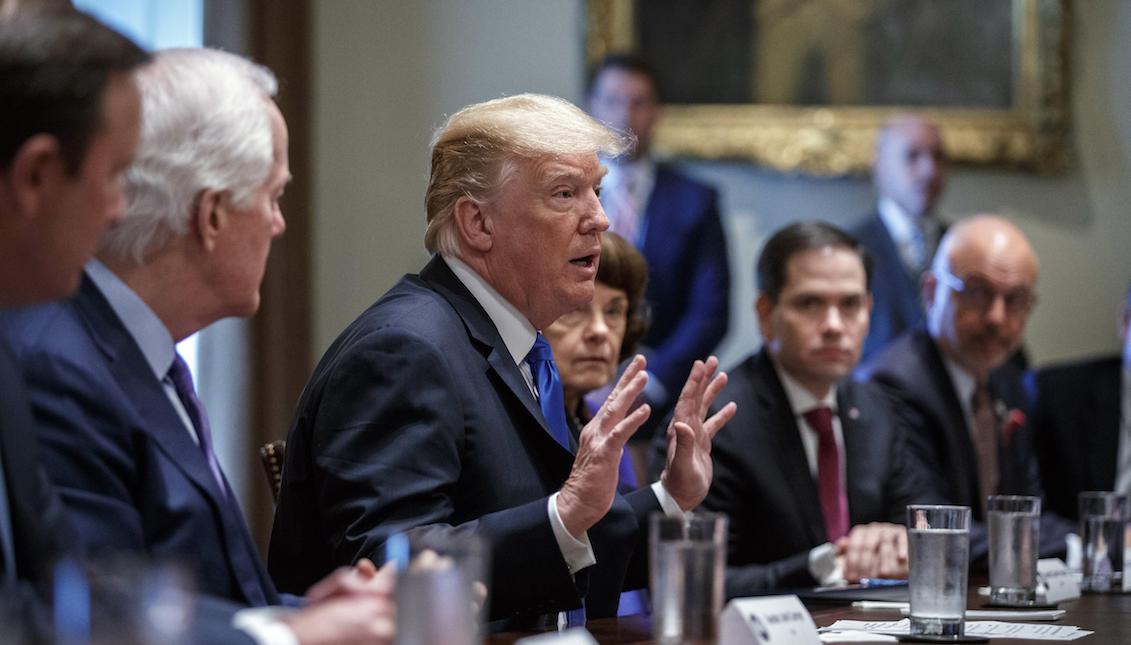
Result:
<point x="549" y="386"/>
<point x="540" y="358"/>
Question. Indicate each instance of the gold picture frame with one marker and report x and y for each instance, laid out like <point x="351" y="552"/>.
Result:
<point x="1032" y="133"/>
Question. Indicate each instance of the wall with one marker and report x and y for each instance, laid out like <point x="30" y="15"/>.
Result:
<point x="387" y="72"/>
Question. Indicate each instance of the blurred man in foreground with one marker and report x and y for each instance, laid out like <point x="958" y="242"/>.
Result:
<point x="124" y="436"/>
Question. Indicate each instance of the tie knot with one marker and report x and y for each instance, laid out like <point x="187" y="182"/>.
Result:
<point x="541" y="351"/>
<point x="820" y="419"/>
<point x="180" y="375"/>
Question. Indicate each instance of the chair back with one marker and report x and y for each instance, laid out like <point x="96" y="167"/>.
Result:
<point x="272" y="456"/>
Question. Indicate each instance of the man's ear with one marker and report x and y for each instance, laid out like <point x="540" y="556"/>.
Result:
<point x="763" y="308"/>
<point x="36" y="171"/>
<point x="927" y="286"/>
<point x="475" y="226"/>
<point x="209" y="217"/>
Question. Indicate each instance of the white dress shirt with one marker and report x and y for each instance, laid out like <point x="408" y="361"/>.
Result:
<point x="518" y="335"/>
<point x="822" y="559"/>
<point x="902" y="226"/>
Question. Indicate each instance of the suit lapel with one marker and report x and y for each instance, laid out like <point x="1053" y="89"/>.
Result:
<point x="160" y="420"/>
<point x="485" y="336"/>
<point x="1104" y="436"/>
<point x="859" y="463"/>
<point x="786" y="444"/>
<point x="132" y="372"/>
<point x="905" y="284"/>
<point x="946" y="406"/>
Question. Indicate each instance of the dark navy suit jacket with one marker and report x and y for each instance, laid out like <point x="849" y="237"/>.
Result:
<point x="689" y="278"/>
<point x="417" y="419"/>
<point x="1076" y="424"/>
<point x="130" y="475"/>
<point x="912" y="371"/>
<point x="762" y="478"/>
<point x="896" y="301"/>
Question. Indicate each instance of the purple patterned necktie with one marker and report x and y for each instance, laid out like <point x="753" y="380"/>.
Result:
<point x="182" y="382"/>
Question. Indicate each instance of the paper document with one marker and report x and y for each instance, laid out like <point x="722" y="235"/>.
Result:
<point x="991" y="628"/>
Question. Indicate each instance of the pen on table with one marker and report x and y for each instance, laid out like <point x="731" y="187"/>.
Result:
<point x="879" y="604"/>
<point x="397" y="550"/>
<point x="883" y="582"/>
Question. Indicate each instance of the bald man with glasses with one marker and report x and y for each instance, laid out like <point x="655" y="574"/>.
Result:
<point x="963" y="401"/>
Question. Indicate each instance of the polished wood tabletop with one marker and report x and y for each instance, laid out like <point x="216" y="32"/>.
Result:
<point x="1109" y="616"/>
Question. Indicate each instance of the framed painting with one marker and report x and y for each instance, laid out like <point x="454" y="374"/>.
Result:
<point x="804" y="85"/>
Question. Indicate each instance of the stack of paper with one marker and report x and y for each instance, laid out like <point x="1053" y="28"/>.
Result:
<point x="990" y="628"/>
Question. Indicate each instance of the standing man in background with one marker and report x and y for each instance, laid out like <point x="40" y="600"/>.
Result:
<point x="673" y="220"/>
<point x="909" y="174"/>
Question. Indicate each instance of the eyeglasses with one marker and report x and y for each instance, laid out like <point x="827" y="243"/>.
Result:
<point x="614" y="314"/>
<point x="979" y="294"/>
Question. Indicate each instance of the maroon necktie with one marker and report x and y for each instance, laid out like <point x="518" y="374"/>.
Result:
<point x="834" y="502"/>
<point x="985" y="442"/>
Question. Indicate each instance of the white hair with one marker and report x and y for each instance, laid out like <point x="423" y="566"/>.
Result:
<point x="205" y="125"/>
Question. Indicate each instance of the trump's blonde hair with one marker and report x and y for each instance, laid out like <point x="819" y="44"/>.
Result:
<point x="480" y="147"/>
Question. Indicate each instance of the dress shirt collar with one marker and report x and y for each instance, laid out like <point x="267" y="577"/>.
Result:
<point x="147" y="330"/>
<point x="964" y="385"/>
<point x="900" y="223"/>
<point x="641" y="172"/>
<point x="516" y="331"/>
<point x="802" y="400"/>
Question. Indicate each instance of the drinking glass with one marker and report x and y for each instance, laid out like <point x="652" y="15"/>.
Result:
<point x="1014" y="527"/>
<point x="687" y="556"/>
<point x="938" y="542"/>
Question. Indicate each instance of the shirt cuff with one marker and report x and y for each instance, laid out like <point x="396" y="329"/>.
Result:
<point x="824" y="567"/>
<point x="262" y="624"/>
<point x="577" y="553"/>
<point x="667" y="502"/>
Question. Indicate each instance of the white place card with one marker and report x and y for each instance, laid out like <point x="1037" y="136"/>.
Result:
<point x="767" y="620"/>
<point x="1060" y="584"/>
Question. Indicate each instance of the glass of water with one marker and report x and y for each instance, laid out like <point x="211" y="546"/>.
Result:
<point x="1014" y="525"/>
<point x="687" y="556"/>
<point x="938" y="542"/>
<point x="1103" y="516"/>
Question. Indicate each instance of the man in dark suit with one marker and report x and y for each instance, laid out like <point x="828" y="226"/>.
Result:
<point x="1082" y="426"/>
<point x="814" y="471"/>
<point x="123" y="435"/>
<point x="62" y="152"/>
<point x="963" y="402"/>
<point x="673" y="219"/>
<point x="439" y="409"/>
<point x="909" y="173"/>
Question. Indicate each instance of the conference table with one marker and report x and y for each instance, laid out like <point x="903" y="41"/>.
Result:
<point x="1108" y="615"/>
